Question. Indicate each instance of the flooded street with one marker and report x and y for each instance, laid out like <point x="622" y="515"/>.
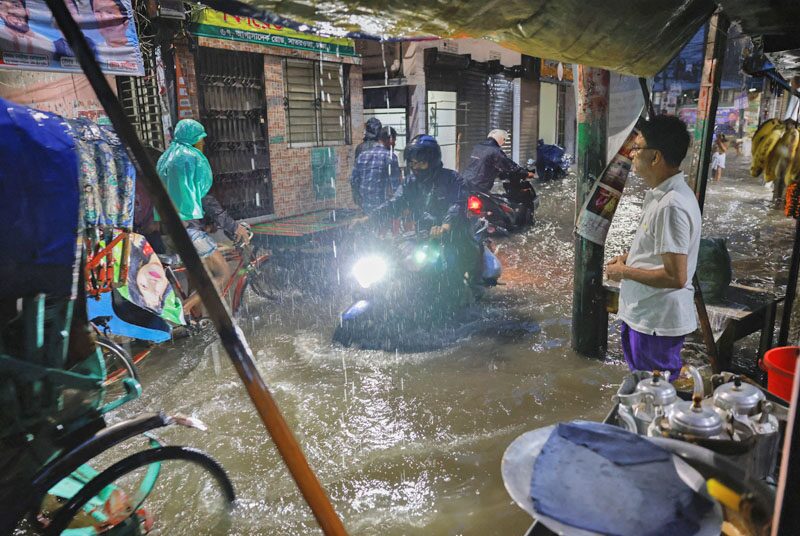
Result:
<point x="412" y="443"/>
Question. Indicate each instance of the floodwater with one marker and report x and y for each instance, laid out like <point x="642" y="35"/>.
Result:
<point x="412" y="443"/>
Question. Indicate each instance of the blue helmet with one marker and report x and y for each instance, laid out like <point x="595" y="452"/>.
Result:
<point x="424" y="148"/>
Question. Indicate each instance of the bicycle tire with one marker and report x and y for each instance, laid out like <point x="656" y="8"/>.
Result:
<point x="121" y="354"/>
<point x="66" y="513"/>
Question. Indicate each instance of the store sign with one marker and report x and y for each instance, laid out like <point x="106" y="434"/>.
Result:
<point x="30" y="38"/>
<point x="211" y="23"/>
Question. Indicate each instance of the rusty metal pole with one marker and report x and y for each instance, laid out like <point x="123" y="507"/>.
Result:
<point x="716" y="44"/>
<point x="230" y="335"/>
<point x="708" y="101"/>
<point x="589" y="314"/>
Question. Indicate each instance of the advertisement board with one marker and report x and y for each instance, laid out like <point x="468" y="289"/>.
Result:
<point x="31" y="40"/>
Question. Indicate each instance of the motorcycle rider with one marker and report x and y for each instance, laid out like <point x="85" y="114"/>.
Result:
<point x="488" y="161"/>
<point x="436" y="198"/>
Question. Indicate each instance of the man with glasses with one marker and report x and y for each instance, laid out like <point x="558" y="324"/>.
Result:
<point x="656" y="302"/>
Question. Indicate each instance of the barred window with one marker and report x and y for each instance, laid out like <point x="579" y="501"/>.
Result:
<point x="317" y="102"/>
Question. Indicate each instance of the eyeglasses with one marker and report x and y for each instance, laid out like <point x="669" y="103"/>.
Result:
<point x="636" y="149"/>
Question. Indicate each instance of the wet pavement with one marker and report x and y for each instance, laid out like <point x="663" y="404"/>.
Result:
<point x="412" y="443"/>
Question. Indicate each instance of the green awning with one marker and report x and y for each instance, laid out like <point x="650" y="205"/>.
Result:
<point x="636" y="37"/>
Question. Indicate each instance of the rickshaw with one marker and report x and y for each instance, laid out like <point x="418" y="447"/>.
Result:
<point x="54" y="382"/>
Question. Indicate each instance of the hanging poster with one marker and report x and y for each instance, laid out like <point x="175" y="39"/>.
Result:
<point x="595" y="217"/>
<point x="147" y="285"/>
<point x="30" y="38"/>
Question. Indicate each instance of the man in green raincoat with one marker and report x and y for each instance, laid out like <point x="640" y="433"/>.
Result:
<point x="187" y="176"/>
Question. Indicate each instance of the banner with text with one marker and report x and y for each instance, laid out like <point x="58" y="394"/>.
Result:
<point x="211" y="23"/>
<point x="30" y="38"/>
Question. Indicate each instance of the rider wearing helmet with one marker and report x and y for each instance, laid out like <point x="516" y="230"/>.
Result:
<point x="436" y="199"/>
<point x="488" y="161"/>
<point x="435" y="196"/>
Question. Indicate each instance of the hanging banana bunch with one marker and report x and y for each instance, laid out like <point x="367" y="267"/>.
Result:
<point x="776" y="151"/>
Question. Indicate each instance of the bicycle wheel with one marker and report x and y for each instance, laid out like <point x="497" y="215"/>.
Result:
<point x="64" y="515"/>
<point x="118" y="361"/>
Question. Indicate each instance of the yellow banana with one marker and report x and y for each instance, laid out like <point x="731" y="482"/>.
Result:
<point x="764" y="152"/>
<point x="788" y="149"/>
<point x="793" y="170"/>
<point x="762" y="132"/>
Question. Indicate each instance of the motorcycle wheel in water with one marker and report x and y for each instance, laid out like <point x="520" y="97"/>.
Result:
<point x="405" y="286"/>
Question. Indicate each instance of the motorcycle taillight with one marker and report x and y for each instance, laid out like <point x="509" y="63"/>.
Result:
<point x="474" y="204"/>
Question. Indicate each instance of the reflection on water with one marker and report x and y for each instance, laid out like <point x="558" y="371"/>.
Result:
<point x="412" y="443"/>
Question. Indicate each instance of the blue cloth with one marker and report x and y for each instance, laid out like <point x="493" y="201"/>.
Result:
<point x="39" y="202"/>
<point x="375" y="171"/>
<point x="651" y="352"/>
<point x="602" y="479"/>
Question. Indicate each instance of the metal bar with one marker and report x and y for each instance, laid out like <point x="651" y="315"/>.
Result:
<point x="709" y="99"/>
<point x="230" y="335"/>
<point x="791" y="288"/>
<point x="589" y="314"/>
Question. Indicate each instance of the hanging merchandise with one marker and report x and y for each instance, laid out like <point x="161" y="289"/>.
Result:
<point x="107" y="175"/>
<point x="775" y="151"/>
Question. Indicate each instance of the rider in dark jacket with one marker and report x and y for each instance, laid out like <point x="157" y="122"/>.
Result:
<point x="488" y="161"/>
<point x="434" y="195"/>
<point x="436" y="198"/>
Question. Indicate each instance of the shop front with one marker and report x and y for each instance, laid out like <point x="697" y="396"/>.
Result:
<point x="281" y="109"/>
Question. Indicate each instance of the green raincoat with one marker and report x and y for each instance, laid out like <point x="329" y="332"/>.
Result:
<point x="185" y="170"/>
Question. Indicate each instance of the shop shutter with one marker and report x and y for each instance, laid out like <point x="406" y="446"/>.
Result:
<point x="473" y="120"/>
<point x="501" y="106"/>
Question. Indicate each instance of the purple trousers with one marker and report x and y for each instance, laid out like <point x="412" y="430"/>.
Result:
<point x="651" y="352"/>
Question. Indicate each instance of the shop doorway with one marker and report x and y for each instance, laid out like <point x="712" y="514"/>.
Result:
<point x="233" y="111"/>
<point x="442" y="106"/>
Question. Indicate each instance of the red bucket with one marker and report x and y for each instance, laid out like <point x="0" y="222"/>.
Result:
<point x="780" y="364"/>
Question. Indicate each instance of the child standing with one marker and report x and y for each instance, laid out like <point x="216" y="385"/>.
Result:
<point x="718" y="159"/>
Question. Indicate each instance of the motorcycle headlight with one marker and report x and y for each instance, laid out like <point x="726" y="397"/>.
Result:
<point x="369" y="270"/>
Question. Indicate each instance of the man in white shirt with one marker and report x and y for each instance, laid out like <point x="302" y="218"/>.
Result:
<point x="656" y="302"/>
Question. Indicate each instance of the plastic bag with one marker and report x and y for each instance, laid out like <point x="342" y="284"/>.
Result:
<point x="713" y="268"/>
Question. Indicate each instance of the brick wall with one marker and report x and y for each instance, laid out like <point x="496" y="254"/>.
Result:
<point x="292" y="187"/>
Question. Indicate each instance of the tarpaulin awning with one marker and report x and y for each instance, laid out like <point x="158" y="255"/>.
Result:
<point x="630" y="37"/>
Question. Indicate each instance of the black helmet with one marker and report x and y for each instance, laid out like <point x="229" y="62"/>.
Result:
<point x="424" y="148"/>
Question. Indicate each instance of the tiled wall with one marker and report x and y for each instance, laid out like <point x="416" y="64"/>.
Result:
<point x="292" y="188"/>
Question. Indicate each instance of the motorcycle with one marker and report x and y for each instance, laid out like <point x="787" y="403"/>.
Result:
<point x="405" y="284"/>
<point x="508" y="211"/>
<point x="551" y="163"/>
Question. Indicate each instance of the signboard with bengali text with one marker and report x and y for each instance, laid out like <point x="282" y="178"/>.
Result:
<point x="215" y="24"/>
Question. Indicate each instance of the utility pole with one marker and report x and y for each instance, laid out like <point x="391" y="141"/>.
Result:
<point x="707" y="103"/>
<point x="589" y="315"/>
